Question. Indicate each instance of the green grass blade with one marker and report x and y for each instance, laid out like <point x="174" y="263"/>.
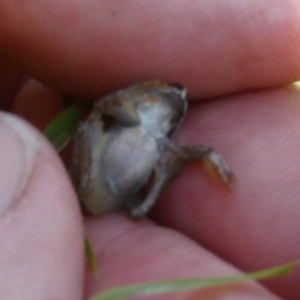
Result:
<point x="90" y="255"/>
<point x="61" y="129"/>
<point x="166" y="286"/>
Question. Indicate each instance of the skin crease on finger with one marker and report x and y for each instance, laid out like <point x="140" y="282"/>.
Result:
<point x="91" y="48"/>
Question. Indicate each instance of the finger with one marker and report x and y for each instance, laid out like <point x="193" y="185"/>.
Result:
<point x="41" y="237"/>
<point x="37" y="103"/>
<point x="40" y="105"/>
<point x="256" y="225"/>
<point x="211" y="47"/>
<point x="133" y="252"/>
<point x="10" y="81"/>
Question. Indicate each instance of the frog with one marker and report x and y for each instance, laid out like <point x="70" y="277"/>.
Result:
<point x="124" y="156"/>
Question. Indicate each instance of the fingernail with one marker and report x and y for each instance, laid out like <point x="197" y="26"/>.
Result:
<point x="18" y="150"/>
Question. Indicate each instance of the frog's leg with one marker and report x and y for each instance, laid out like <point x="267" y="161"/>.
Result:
<point x="214" y="164"/>
<point x="173" y="160"/>
<point x="165" y="170"/>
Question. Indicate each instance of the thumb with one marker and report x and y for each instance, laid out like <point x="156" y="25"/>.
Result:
<point x="41" y="238"/>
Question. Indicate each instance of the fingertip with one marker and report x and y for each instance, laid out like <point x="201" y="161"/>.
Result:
<point x="131" y="252"/>
<point x="258" y="134"/>
<point x="41" y="233"/>
<point x="37" y="103"/>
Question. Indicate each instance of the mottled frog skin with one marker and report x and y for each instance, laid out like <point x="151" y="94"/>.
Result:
<point x="123" y="155"/>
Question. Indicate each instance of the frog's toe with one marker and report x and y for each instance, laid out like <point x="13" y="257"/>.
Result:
<point x="138" y="213"/>
<point x="217" y="168"/>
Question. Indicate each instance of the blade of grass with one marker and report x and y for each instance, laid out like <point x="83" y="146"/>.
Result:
<point x="159" y="287"/>
<point x="61" y="129"/>
<point x="90" y="255"/>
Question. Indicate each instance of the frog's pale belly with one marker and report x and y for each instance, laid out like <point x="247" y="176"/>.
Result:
<point x="129" y="159"/>
<point x="120" y="170"/>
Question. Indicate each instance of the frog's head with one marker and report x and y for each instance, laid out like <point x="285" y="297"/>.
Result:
<point x="162" y="109"/>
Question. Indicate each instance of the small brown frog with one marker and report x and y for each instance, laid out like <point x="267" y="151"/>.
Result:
<point x="123" y="154"/>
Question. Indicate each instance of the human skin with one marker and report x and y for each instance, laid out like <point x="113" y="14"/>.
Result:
<point x="240" y="56"/>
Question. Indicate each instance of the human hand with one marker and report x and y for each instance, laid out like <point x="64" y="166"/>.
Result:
<point x="87" y="49"/>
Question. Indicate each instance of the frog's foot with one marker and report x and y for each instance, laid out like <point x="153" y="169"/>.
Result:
<point x="214" y="164"/>
<point x="173" y="159"/>
<point x="139" y="212"/>
<point x="141" y="209"/>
